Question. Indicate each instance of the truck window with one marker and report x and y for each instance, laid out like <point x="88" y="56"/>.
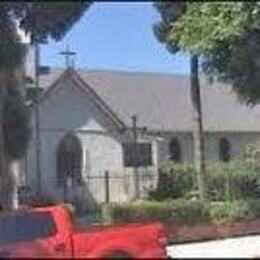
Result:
<point x="26" y="226"/>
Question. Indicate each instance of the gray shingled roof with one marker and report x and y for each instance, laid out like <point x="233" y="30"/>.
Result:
<point x="162" y="101"/>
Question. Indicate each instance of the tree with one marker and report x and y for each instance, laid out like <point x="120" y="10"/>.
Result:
<point x="42" y="20"/>
<point x="13" y="118"/>
<point x="171" y="13"/>
<point x="226" y="35"/>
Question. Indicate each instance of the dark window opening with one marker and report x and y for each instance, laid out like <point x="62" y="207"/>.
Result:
<point x="175" y="150"/>
<point x="139" y="154"/>
<point x="224" y="150"/>
<point x="69" y="160"/>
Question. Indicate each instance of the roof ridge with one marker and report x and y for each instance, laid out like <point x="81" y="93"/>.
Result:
<point x="166" y="110"/>
<point x="157" y="73"/>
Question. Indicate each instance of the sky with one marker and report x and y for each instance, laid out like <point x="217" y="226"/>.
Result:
<point x="116" y="36"/>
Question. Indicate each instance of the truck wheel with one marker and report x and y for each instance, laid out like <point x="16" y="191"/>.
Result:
<point x="117" y="255"/>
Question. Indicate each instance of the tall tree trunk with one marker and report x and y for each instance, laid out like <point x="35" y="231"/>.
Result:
<point x="5" y="184"/>
<point x="8" y="187"/>
<point x="198" y="135"/>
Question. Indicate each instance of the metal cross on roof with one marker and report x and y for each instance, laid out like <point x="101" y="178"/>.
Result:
<point x="67" y="55"/>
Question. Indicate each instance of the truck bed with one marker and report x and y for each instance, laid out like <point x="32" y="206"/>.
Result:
<point x="137" y="238"/>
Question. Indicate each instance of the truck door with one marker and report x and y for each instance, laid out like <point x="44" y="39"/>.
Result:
<point x="31" y="234"/>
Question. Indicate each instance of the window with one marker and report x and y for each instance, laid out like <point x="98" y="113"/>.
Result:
<point x="139" y="154"/>
<point x="175" y="150"/>
<point x="26" y="226"/>
<point x="224" y="150"/>
<point x="69" y="160"/>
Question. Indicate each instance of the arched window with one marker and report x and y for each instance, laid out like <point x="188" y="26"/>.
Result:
<point x="175" y="150"/>
<point x="69" y="160"/>
<point x="224" y="150"/>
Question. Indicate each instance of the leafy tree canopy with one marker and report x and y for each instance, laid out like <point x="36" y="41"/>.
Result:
<point x="227" y="37"/>
<point x="205" y="23"/>
<point x="42" y="18"/>
<point x="170" y="12"/>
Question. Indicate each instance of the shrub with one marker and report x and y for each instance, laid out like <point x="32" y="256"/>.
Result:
<point x="223" y="212"/>
<point x="225" y="181"/>
<point x="182" y="211"/>
<point x="179" y="211"/>
<point x="233" y="181"/>
<point x="217" y="182"/>
<point x="175" y="180"/>
<point x="254" y="207"/>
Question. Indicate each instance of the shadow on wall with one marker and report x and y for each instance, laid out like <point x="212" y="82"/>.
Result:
<point x="82" y="198"/>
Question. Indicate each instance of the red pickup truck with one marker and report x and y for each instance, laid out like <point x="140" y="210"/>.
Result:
<point x="48" y="232"/>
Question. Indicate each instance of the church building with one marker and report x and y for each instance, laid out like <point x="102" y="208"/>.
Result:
<point x="87" y="123"/>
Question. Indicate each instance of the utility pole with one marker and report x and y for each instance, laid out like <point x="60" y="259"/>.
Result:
<point x="198" y="133"/>
<point x="136" y="171"/>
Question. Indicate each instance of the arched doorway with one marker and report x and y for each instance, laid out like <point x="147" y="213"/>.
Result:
<point x="69" y="160"/>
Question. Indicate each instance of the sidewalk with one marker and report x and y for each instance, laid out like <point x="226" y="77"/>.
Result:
<point x="245" y="247"/>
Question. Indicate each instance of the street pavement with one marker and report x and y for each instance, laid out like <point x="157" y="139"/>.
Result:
<point x="239" y="247"/>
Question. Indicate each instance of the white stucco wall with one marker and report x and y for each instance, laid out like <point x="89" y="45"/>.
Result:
<point x="238" y="142"/>
<point x="186" y="143"/>
<point x="69" y="109"/>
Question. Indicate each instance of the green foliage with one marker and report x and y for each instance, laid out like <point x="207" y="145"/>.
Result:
<point x="179" y="211"/>
<point x="182" y="211"/>
<point x="195" y="27"/>
<point x="44" y="19"/>
<point x="169" y="12"/>
<point x="254" y="207"/>
<point x="233" y="181"/>
<point x="224" y="34"/>
<point x="237" y="64"/>
<point x="41" y="20"/>
<point x="175" y="180"/>
<point x="227" y="212"/>
<point x="204" y="23"/>
<point x="52" y="19"/>
<point x="225" y="181"/>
